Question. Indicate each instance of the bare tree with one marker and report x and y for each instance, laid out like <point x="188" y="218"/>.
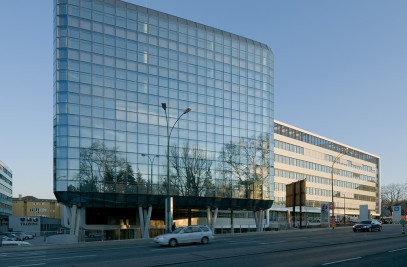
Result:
<point x="393" y="195"/>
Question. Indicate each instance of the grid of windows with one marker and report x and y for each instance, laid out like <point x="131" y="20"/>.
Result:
<point x="321" y="180"/>
<point x="288" y="147"/>
<point x="325" y="192"/>
<point x="6" y="181"/>
<point x="322" y="168"/>
<point x="322" y="156"/>
<point x="116" y="64"/>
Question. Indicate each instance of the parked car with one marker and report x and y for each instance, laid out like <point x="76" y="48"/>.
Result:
<point x="23" y="235"/>
<point x="7" y="238"/>
<point x="368" y="225"/>
<point x="15" y="243"/>
<point x="94" y="234"/>
<point x="12" y="236"/>
<point x="188" y="234"/>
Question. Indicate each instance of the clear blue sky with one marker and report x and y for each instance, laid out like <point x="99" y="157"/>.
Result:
<point x="340" y="72"/>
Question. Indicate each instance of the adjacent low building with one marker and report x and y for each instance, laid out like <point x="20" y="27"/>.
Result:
<point x="32" y="206"/>
<point x="36" y="225"/>
<point x="35" y="216"/>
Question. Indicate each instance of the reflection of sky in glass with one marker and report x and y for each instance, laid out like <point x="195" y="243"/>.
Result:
<point x="112" y="79"/>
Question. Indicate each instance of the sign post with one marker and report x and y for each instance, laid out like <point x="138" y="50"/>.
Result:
<point x="325" y="214"/>
<point x="296" y="196"/>
<point x="396" y="214"/>
<point x="332" y="207"/>
<point x="333" y="223"/>
<point x="403" y="225"/>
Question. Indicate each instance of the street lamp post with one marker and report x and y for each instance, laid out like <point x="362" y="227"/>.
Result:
<point x="332" y="177"/>
<point x="168" y="204"/>
<point x="151" y="163"/>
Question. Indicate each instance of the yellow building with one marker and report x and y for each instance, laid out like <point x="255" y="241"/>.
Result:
<point x="31" y="206"/>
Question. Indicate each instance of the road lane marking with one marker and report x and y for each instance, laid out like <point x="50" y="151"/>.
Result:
<point x="35" y="264"/>
<point x="351" y="259"/>
<point x="60" y="258"/>
<point x="34" y="257"/>
<point x="397" y="250"/>
<point x="172" y="248"/>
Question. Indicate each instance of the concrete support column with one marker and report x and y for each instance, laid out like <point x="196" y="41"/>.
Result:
<point x="78" y="221"/>
<point x="74" y="214"/>
<point x="208" y="216"/>
<point x="211" y="218"/>
<point x="259" y="218"/>
<point x="145" y="216"/>
<point x="72" y="219"/>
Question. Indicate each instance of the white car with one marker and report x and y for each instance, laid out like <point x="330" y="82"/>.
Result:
<point x="23" y="236"/>
<point x="15" y="243"/>
<point x="188" y="234"/>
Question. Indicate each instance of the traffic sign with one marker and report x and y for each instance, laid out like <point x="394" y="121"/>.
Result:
<point x="331" y="205"/>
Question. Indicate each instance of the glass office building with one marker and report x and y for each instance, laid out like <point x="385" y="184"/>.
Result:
<point x="115" y="64"/>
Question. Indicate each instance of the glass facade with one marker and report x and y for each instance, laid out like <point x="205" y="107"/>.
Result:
<point x="115" y="64"/>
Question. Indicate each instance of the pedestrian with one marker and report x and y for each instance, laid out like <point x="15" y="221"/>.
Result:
<point x="173" y="226"/>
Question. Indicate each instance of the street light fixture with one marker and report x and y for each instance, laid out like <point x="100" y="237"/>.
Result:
<point x="168" y="204"/>
<point x="151" y="163"/>
<point x="332" y="177"/>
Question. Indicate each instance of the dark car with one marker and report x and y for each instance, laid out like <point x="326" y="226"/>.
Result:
<point x="368" y="225"/>
<point x="11" y="236"/>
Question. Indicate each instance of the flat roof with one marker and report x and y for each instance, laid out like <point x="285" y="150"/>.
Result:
<point x="324" y="138"/>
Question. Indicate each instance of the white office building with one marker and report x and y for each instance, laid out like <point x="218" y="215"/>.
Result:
<point x="302" y="155"/>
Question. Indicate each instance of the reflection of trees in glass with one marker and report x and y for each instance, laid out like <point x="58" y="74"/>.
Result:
<point x="243" y="171"/>
<point x="190" y="172"/>
<point x="247" y="163"/>
<point x="104" y="170"/>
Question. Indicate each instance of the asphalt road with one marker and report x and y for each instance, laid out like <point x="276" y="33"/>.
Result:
<point x="313" y="247"/>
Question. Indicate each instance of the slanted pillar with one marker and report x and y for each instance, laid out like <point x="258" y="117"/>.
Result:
<point x="74" y="214"/>
<point x="72" y="219"/>
<point x="145" y="216"/>
<point x="208" y="216"/>
<point x="211" y="218"/>
<point x="259" y="218"/>
<point x="78" y="221"/>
